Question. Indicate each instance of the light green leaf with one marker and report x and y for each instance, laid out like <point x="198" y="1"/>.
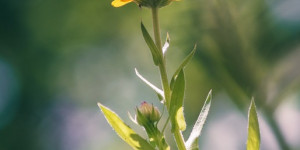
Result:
<point x="183" y="64"/>
<point x="158" y="91"/>
<point x="253" y="142"/>
<point x="176" y="105"/>
<point x="166" y="45"/>
<point x="192" y="142"/>
<point x="124" y="131"/>
<point x="153" y="48"/>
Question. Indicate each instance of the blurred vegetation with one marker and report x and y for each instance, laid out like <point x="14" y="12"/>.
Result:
<point x="64" y="56"/>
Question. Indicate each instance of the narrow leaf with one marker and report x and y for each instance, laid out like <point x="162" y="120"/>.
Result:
<point x="176" y="104"/>
<point x="253" y="142"/>
<point x="183" y="64"/>
<point x="166" y="45"/>
<point x="153" y="48"/>
<point x="158" y="91"/>
<point x="124" y="131"/>
<point x="192" y="142"/>
<point x="133" y="119"/>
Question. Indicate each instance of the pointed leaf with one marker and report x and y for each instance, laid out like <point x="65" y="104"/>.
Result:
<point x="158" y="91"/>
<point x="166" y="45"/>
<point x="153" y="48"/>
<point x="176" y="105"/>
<point x="132" y="119"/>
<point x="192" y="142"/>
<point x="124" y="131"/>
<point x="183" y="64"/>
<point x="253" y="142"/>
<point x="160" y="98"/>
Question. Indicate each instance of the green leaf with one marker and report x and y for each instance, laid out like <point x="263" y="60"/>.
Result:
<point x="124" y="131"/>
<point x="153" y="48"/>
<point x="182" y="66"/>
<point x="253" y="142"/>
<point x="158" y="91"/>
<point x="176" y="105"/>
<point x="161" y="98"/>
<point x="166" y="45"/>
<point x="192" y="142"/>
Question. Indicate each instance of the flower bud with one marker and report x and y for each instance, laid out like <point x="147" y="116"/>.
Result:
<point x="147" y="113"/>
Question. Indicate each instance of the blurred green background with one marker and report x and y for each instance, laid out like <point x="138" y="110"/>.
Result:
<point x="59" y="58"/>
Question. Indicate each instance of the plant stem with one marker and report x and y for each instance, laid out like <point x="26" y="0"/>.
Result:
<point x="156" y="28"/>
<point x="164" y="78"/>
<point x="157" y="136"/>
<point x="162" y="65"/>
<point x="179" y="140"/>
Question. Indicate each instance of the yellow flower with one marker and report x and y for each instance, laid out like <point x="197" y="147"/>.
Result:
<point x="143" y="3"/>
<point x="119" y="3"/>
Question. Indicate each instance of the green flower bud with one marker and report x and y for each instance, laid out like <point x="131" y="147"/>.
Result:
<point x="147" y="114"/>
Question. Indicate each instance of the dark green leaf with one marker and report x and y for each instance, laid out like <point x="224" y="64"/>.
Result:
<point x="176" y="105"/>
<point x="153" y="48"/>
<point x="183" y="64"/>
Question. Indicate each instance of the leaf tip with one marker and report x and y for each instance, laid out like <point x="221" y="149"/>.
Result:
<point x="252" y="104"/>
<point x="252" y="101"/>
<point x="99" y="105"/>
<point x="209" y="96"/>
<point x="168" y="37"/>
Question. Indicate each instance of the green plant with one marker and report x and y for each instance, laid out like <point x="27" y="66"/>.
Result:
<point x="171" y="96"/>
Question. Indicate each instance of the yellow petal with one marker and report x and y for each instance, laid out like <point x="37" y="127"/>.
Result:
<point x="119" y="3"/>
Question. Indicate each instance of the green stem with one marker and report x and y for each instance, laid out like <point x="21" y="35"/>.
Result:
<point x="157" y="136"/>
<point x="179" y="140"/>
<point x="162" y="65"/>
<point x="156" y="28"/>
<point x="164" y="78"/>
